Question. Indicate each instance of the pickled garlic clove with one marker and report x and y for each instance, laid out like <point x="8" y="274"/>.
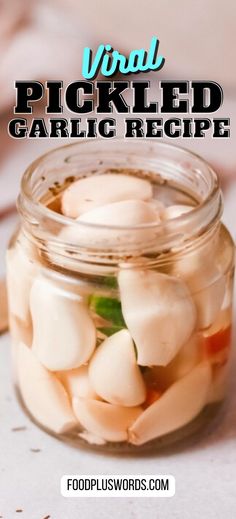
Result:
<point x="223" y="321"/>
<point x="158" y="312"/>
<point x="21" y="271"/>
<point x="188" y="357"/>
<point x="64" y="332"/>
<point x="161" y="377"/>
<point x="107" y="421"/>
<point x="200" y="257"/>
<point x="114" y="373"/>
<point x="174" y="211"/>
<point x="4" y="317"/>
<point x="207" y="288"/>
<point x="21" y="331"/>
<point x="43" y="395"/>
<point x="92" y="438"/>
<point x="119" y="214"/>
<point x="175" y="408"/>
<point x="77" y="383"/>
<point x="207" y="284"/>
<point x="217" y="339"/>
<point x="97" y="190"/>
<point x="124" y="213"/>
<point x="218" y="387"/>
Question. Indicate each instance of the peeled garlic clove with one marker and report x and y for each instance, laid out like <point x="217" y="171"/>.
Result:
<point x="159" y="314"/>
<point x="97" y="190"/>
<point x="174" y="211"/>
<point x="207" y="290"/>
<point x="43" y="395"/>
<point x="206" y="283"/>
<point x="119" y="214"/>
<point x="124" y="213"/>
<point x="21" y="331"/>
<point x="104" y="420"/>
<point x="4" y="318"/>
<point x="64" y="332"/>
<point x="114" y="373"/>
<point x="175" y="408"/>
<point x="223" y="321"/>
<point x="21" y="271"/>
<point x="188" y="357"/>
<point x="77" y="383"/>
<point x="158" y="205"/>
<point x="190" y="263"/>
<point x="218" y="387"/>
<point x="92" y="438"/>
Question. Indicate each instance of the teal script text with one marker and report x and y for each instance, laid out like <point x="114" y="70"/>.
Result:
<point x="110" y="61"/>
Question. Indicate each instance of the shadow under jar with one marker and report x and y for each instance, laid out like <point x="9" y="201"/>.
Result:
<point x="120" y="315"/>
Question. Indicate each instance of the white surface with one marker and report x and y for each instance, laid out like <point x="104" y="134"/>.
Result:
<point x="205" y="472"/>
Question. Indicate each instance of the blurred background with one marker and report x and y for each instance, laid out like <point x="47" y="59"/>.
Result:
<point x="45" y="40"/>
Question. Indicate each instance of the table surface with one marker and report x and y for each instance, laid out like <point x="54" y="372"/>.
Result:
<point x="32" y="462"/>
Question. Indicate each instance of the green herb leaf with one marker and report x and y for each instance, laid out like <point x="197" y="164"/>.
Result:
<point x="109" y="309"/>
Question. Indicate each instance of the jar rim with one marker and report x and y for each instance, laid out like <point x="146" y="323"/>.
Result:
<point x="205" y="213"/>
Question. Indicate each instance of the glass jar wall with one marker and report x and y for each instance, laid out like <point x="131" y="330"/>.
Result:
<point x="120" y="293"/>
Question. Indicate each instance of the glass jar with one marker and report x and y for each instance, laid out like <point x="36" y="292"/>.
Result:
<point x="121" y="333"/>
